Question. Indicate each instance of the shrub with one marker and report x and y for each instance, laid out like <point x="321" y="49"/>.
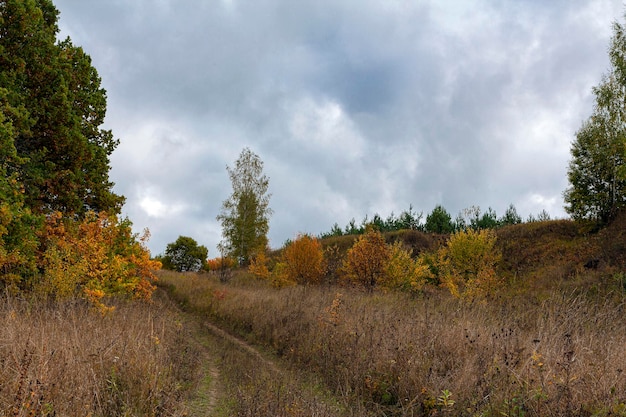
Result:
<point x="403" y="272"/>
<point x="333" y="259"/>
<point x="219" y="263"/>
<point x="304" y="260"/>
<point x="366" y="260"/>
<point x="258" y="266"/>
<point x="467" y="264"/>
<point x="93" y="258"/>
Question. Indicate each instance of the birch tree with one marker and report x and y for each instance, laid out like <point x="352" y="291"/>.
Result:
<point x="245" y="214"/>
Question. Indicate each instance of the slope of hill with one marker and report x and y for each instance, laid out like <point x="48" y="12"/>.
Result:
<point x="540" y="255"/>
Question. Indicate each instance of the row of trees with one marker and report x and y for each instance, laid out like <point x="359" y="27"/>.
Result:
<point x="437" y="221"/>
<point x="59" y="226"/>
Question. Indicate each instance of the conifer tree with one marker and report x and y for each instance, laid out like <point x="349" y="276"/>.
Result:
<point x="57" y="107"/>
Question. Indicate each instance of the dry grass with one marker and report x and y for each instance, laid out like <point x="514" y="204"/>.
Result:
<point x="394" y="355"/>
<point x="250" y="387"/>
<point x="65" y="359"/>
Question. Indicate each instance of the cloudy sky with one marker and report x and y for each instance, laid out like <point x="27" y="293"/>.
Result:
<point x="356" y="107"/>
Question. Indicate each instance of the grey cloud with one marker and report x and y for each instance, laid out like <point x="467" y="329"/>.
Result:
<point x="355" y="107"/>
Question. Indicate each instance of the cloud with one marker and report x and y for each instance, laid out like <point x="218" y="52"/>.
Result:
<point x="355" y="107"/>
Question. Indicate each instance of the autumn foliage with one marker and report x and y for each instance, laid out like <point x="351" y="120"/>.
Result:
<point x="403" y="272"/>
<point x="96" y="257"/>
<point x="304" y="260"/>
<point x="219" y="263"/>
<point x="365" y="262"/>
<point x="54" y="170"/>
<point x="258" y="266"/>
<point x="467" y="264"/>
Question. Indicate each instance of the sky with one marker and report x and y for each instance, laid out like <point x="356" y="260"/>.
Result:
<point x="355" y="107"/>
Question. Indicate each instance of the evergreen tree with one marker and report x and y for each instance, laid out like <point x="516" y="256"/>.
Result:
<point x="18" y="240"/>
<point x="439" y="221"/>
<point x="510" y="217"/>
<point x="58" y="108"/>
<point x="488" y="220"/>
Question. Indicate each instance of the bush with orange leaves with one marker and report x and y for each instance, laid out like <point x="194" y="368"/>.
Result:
<point x="258" y="265"/>
<point x="366" y="260"/>
<point x="304" y="260"/>
<point x="96" y="257"/>
<point x="220" y="263"/>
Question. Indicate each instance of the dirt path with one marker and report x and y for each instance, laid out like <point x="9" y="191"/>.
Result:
<point x="210" y="340"/>
<point x="207" y="394"/>
<point x="205" y="398"/>
<point x="234" y="375"/>
<point x="243" y="345"/>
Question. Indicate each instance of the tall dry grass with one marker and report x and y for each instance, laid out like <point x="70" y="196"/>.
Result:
<point x="64" y="359"/>
<point x="563" y="355"/>
<point x="252" y="387"/>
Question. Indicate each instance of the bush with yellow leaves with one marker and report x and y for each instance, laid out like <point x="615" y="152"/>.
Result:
<point x="467" y="264"/>
<point x="366" y="260"/>
<point x="402" y="272"/>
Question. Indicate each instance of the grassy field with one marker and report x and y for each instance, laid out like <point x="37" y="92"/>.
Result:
<point x="562" y="354"/>
<point x="552" y="342"/>
<point x="66" y="359"/>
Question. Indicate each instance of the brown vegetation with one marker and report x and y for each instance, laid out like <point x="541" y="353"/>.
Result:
<point x="548" y="342"/>
<point x="554" y="349"/>
<point x="66" y="359"/>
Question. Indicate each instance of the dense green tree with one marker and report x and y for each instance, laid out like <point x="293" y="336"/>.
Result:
<point x="57" y="108"/>
<point x="245" y="214"/>
<point x="439" y="221"/>
<point x="510" y="217"/>
<point x="185" y="255"/>
<point x="18" y="240"/>
<point x="409" y="220"/>
<point x="597" y="188"/>
<point x="488" y="220"/>
<point x="596" y="171"/>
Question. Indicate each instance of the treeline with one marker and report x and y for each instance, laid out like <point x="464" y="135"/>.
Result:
<point x="60" y="234"/>
<point x="438" y="220"/>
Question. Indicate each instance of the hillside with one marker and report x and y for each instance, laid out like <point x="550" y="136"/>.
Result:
<point x="541" y="255"/>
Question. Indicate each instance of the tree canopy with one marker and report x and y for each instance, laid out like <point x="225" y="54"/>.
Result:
<point x="439" y="221"/>
<point x="245" y="214"/>
<point x="53" y="104"/>
<point x="596" y="171"/>
<point x="59" y="229"/>
<point x="185" y="255"/>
